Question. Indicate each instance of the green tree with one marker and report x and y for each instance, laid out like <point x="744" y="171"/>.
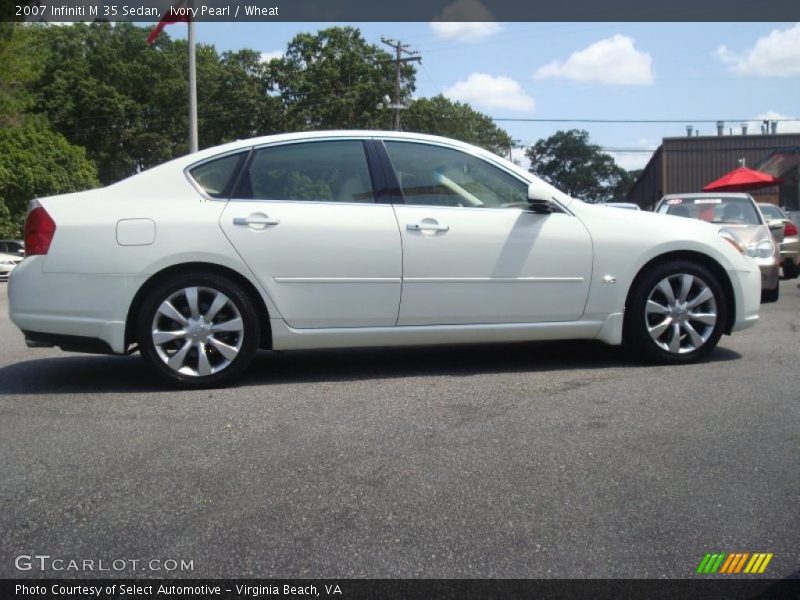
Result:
<point x="20" y="65"/>
<point x="334" y="79"/>
<point x="35" y="161"/>
<point x="568" y="161"/>
<point x="105" y="89"/>
<point x="440" y="116"/>
<point x="235" y="102"/>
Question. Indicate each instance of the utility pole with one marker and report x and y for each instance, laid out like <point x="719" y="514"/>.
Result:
<point x="192" y="89"/>
<point x="413" y="56"/>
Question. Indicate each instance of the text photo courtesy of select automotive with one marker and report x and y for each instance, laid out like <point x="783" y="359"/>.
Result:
<point x="381" y="301"/>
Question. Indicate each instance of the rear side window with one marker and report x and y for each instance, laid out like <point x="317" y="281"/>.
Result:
<point x="215" y="177"/>
<point x="326" y="171"/>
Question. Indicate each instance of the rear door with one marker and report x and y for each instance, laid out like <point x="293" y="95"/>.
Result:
<point x="305" y="220"/>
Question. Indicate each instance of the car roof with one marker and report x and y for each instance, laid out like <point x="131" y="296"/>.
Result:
<point x="189" y="160"/>
<point x="709" y="195"/>
<point x="312" y="135"/>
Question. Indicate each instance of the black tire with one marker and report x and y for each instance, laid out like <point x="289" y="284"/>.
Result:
<point x="636" y="334"/>
<point x="769" y="296"/>
<point x="246" y="341"/>
<point x="790" y="270"/>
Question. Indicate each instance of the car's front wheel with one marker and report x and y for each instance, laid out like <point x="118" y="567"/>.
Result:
<point x="198" y="330"/>
<point x="676" y="313"/>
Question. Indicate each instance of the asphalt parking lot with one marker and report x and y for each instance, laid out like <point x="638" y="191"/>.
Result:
<point x="512" y="461"/>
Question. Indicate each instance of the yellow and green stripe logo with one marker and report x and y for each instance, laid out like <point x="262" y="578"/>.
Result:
<point x="734" y="563"/>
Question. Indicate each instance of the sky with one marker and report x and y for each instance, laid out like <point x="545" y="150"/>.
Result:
<point x="626" y="71"/>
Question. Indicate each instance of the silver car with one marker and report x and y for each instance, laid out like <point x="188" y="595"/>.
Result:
<point x="739" y="216"/>
<point x="627" y="205"/>
<point x="790" y="241"/>
<point x="7" y="264"/>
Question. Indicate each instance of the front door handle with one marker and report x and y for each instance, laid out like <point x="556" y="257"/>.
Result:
<point x="426" y="225"/>
<point x="258" y="219"/>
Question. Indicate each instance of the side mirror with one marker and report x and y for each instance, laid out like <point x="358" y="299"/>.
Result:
<point x="539" y="199"/>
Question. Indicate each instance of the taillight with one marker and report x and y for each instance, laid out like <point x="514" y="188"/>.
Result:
<point x="39" y="231"/>
<point x="790" y="229"/>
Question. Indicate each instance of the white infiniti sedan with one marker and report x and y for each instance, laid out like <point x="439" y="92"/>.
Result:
<point x="363" y="238"/>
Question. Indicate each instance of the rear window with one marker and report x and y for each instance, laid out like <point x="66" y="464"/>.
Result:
<point x="215" y="176"/>
<point x="731" y="210"/>
<point x="771" y="212"/>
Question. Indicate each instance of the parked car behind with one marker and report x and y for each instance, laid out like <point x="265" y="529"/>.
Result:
<point x="7" y="264"/>
<point x="352" y="238"/>
<point x="15" y="247"/>
<point x="790" y="244"/>
<point x="628" y="205"/>
<point x="742" y="219"/>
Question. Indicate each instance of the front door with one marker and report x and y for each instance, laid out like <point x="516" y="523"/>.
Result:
<point x="473" y="253"/>
<point x="305" y="220"/>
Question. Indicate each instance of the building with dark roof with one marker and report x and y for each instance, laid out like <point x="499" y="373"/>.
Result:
<point x="687" y="164"/>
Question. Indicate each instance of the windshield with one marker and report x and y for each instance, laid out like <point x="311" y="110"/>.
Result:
<point x="771" y="211"/>
<point x="733" y="210"/>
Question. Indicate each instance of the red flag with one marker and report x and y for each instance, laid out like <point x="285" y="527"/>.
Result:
<point x="168" y="18"/>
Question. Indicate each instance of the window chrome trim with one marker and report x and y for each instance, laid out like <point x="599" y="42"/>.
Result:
<point x="367" y="136"/>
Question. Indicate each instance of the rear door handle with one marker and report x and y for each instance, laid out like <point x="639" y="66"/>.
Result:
<point x="256" y="219"/>
<point x="426" y="226"/>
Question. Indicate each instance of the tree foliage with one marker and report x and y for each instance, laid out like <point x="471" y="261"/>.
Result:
<point x="441" y="116"/>
<point x="570" y="162"/>
<point x="110" y="105"/>
<point x="334" y="79"/>
<point x="35" y="161"/>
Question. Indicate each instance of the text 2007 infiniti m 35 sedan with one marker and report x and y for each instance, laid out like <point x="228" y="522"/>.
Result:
<point x="354" y="238"/>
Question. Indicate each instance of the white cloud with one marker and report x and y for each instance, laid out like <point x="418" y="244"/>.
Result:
<point x="268" y="56"/>
<point x="612" y="61"/>
<point x="518" y="158"/>
<point x="775" y="55"/>
<point x="464" y="31"/>
<point x="636" y="159"/>
<point x="754" y="126"/>
<point x="465" y="21"/>
<point x="481" y="89"/>
<point x="630" y="161"/>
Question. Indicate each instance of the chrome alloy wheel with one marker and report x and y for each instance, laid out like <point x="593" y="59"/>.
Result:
<point x="197" y="331"/>
<point x="681" y="312"/>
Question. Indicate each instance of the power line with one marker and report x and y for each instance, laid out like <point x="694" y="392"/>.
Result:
<point x="635" y="121"/>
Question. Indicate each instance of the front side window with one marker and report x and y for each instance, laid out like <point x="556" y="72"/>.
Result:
<point x="215" y="176"/>
<point x="438" y="176"/>
<point x="327" y="171"/>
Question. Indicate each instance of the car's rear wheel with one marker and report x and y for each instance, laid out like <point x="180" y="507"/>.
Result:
<point x="676" y="313"/>
<point x="198" y="330"/>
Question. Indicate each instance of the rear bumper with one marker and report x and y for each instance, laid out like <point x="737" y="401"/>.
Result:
<point x="790" y="249"/>
<point x="69" y="309"/>
<point x="69" y="343"/>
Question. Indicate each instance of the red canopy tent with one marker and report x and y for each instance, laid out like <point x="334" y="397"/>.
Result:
<point x="742" y="179"/>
